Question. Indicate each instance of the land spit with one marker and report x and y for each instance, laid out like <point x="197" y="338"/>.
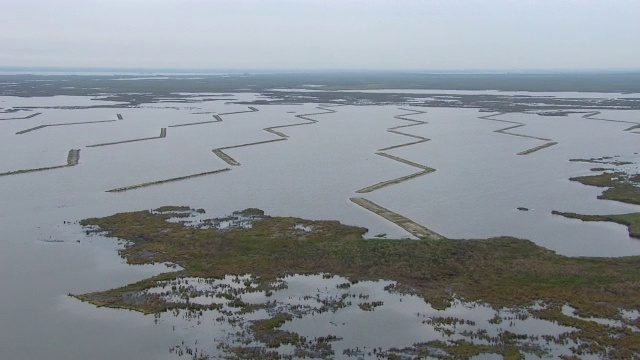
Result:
<point x="228" y="159"/>
<point x="218" y="117"/>
<point x="251" y="109"/>
<point x="412" y="227"/>
<point x="620" y="186"/>
<point x="631" y="221"/>
<point x="126" y="188"/>
<point x="163" y="134"/>
<point x="63" y="124"/>
<point x="591" y="116"/>
<point x="517" y="125"/>
<point x="534" y="149"/>
<point x="24" y="117"/>
<point x="73" y="159"/>
<point x="231" y="161"/>
<point x="415" y="123"/>
<point x="425" y="169"/>
<point x="405" y="223"/>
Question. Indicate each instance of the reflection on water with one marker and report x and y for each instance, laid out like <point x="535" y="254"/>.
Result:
<point x="475" y="191"/>
<point x="362" y="319"/>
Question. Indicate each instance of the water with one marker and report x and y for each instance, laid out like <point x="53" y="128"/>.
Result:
<point x="352" y="313"/>
<point x="478" y="184"/>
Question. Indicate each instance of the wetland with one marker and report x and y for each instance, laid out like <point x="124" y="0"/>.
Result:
<point x="265" y="255"/>
<point x="384" y="217"/>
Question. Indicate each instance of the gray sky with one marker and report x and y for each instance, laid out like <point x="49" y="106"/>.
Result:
<point x="322" y="34"/>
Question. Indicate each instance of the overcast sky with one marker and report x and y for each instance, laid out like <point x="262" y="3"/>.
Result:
<point x="322" y="34"/>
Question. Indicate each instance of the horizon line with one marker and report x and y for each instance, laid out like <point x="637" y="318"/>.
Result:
<point x="205" y="71"/>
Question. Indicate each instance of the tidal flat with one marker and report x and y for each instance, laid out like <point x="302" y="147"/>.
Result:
<point x="303" y="159"/>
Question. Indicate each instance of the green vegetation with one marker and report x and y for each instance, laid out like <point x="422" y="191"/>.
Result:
<point x="179" y="88"/>
<point x="459" y="349"/>
<point x="173" y="208"/>
<point x="267" y="331"/>
<point x="502" y="272"/>
<point x="370" y="306"/>
<point x="632" y="221"/>
<point x="499" y="271"/>
<point x="620" y="186"/>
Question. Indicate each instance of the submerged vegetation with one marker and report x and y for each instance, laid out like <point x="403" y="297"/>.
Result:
<point x="502" y="272"/>
<point x="594" y="301"/>
<point x="237" y="267"/>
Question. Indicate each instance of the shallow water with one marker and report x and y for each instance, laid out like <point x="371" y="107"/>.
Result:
<point x="478" y="184"/>
<point x="363" y="316"/>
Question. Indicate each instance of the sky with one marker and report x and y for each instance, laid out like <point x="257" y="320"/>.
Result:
<point x="322" y="34"/>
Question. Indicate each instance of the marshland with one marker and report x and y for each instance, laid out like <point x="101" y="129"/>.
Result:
<point x="381" y="222"/>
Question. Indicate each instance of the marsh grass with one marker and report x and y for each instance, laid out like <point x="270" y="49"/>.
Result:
<point x="502" y="271"/>
<point x="620" y="186"/>
<point x="631" y="221"/>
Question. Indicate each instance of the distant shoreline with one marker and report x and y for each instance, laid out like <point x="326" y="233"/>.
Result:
<point x="66" y="70"/>
<point x="128" y="81"/>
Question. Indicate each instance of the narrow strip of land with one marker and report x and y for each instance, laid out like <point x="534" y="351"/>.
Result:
<point x="249" y="144"/>
<point x="231" y="161"/>
<point x="424" y="169"/>
<point x="163" y="133"/>
<point x="628" y="220"/>
<point x="410" y="226"/>
<point x="281" y="136"/>
<point x="394" y="129"/>
<point x="228" y="159"/>
<point x="251" y="109"/>
<point x="63" y="124"/>
<point x="506" y="131"/>
<point x="592" y="116"/>
<point x="22" y="118"/>
<point x="534" y="149"/>
<point x="218" y="117"/>
<point x="73" y="158"/>
<point x="131" y="187"/>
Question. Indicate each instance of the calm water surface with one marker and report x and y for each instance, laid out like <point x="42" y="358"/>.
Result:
<point x="478" y="184"/>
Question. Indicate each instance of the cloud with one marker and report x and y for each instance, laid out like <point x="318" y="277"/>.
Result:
<point x="285" y="34"/>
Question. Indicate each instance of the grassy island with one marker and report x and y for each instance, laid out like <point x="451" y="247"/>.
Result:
<point x="501" y="272"/>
